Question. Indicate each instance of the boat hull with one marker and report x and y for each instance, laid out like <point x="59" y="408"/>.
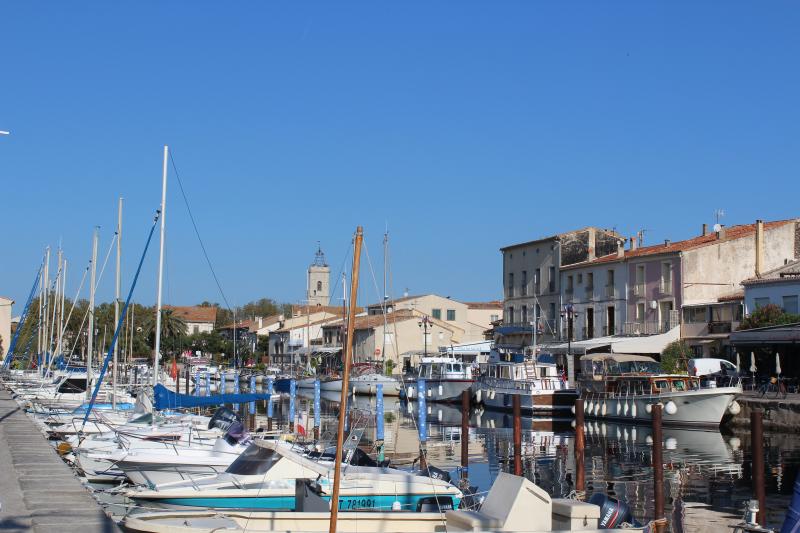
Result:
<point x="530" y="401"/>
<point x="444" y="390"/>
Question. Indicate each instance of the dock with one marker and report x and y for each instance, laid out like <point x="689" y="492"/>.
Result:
<point x="38" y="490"/>
<point x="780" y="414"/>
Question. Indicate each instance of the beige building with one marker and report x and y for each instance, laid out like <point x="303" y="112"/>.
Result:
<point x="5" y="325"/>
<point x="198" y="319"/>
<point x="294" y="336"/>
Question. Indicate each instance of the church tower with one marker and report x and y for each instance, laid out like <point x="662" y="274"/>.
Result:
<point x="319" y="274"/>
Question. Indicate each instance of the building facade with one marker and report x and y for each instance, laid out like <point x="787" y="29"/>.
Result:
<point x="198" y="319"/>
<point x="5" y="325"/>
<point x="318" y="288"/>
<point x="780" y="286"/>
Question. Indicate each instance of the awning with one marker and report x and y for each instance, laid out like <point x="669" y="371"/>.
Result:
<point x="653" y="344"/>
<point x="786" y="334"/>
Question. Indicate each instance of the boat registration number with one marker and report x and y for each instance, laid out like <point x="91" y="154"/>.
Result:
<point x="357" y="503"/>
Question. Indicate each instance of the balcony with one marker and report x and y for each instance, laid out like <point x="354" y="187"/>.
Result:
<point x="569" y="290"/>
<point x="665" y="286"/>
<point x="537" y="289"/>
<point x="587" y="333"/>
<point x="551" y="286"/>
<point x="608" y="331"/>
<point x="650" y="327"/>
<point x="611" y="291"/>
<point x="639" y="289"/>
<point x="719" y="327"/>
<point x="589" y="291"/>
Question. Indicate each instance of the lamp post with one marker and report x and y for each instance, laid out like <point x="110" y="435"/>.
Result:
<point x="570" y="314"/>
<point x="425" y="323"/>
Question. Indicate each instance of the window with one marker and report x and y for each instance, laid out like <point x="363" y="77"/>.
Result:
<point x="524" y="282"/>
<point x="580" y="279"/>
<point x="196" y="328"/>
<point x="451" y="314"/>
<point x="537" y="278"/>
<point x="436" y="313"/>
<point x="319" y="286"/>
<point x="721" y="313"/>
<point x="511" y="315"/>
<point x="610" y="278"/>
<point x="569" y="284"/>
<point x="640" y="310"/>
<point x="738" y="312"/>
<point x="552" y="279"/>
<point x="695" y="315"/>
<point x="510" y="288"/>
<point x="790" y="304"/>
<point x="494" y="318"/>
<point x="761" y="302"/>
<point x="552" y="310"/>
<point x="639" y="274"/>
<point x="589" y="281"/>
<point x="524" y="314"/>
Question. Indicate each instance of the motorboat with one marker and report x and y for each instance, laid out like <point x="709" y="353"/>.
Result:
<point x="624" y="387"/>
<point x="263" y="477"/>
<point x="445" y="379"/>
<point x="534" y="380"/>
<point x="513" y="504"/>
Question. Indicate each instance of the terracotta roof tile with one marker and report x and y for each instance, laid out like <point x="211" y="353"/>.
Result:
<point x="194" y="313"/>
<point x="485" y="305"/>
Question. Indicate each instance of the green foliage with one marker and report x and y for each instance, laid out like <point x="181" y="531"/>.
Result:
<point x="768" y="315"/>
<point x="389" y="366"/>
<point x="675" y="357"/>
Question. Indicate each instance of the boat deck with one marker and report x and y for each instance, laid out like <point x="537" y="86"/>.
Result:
<point x="38" y="491"/>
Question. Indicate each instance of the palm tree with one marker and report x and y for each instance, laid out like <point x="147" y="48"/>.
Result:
<point x="172" y="328"/>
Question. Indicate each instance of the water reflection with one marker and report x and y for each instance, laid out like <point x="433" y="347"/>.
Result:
<point x="707" y="472"/>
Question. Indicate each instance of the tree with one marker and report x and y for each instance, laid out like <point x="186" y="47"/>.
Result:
<point x="173" y="331"/>
<point x="675" y="357"/>
<point x="768" y="315"/>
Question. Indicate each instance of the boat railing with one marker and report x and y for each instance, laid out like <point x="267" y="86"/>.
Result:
<point x="528" y="385"/>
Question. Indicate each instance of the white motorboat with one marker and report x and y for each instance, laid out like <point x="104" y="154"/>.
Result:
<point x="624" y="387"/>
<point x="445" y="379"/>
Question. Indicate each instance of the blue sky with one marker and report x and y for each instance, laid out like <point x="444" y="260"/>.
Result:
<point x="464" y="126"/>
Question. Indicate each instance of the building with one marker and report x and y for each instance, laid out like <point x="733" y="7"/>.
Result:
<point x="293" y="338"/>
<point x="318" y="288"/>
<point x="5" y="325"/>
<point x="471" y="319"/>
<point x="402" y="336"/>
<point x="198" y="319"/>
<point x="532" y="280"/>
<point x="779" y="286"/>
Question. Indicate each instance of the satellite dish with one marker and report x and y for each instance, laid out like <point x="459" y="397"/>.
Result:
<point x="717" y="227"/>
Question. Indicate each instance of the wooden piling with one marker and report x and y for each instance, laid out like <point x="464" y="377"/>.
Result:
<point x="757" y="451"/>
<point x="658" y="468"/>
<point x="465" y="434"/>
<point x="517" y="409"/>
<point x="580" y="444"/>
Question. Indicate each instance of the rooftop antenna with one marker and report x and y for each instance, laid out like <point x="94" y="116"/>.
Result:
<point x="640" y="236"/>
<point x="718" y="214"/>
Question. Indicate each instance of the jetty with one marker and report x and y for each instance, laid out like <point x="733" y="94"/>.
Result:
<point x="38" y="491"/>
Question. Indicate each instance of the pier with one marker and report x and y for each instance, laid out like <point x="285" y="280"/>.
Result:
<point x="38" y="491"/>
<point x="780" y="414"/>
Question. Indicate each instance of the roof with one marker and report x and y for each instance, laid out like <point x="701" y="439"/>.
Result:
<point x="194" y="313"/>
<point x="618" y="357"/>
<point x="321" y="321"/>
<point x="302" y="310"/>
<point x="7" y="298"/>
<point x="556" y="237"/>
<point x="495" y="304"/>
<point x="788" y="272"/>
<point x="730" y="233"/>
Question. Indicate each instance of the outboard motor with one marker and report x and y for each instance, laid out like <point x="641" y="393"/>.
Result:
<point x="613" y="513"/>
<point x="223" y="418"/>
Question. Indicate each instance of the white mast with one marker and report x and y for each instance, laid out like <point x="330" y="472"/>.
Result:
<point x="63" y="307"/>
<point x="46" y="286"/>
<point x="116" y="305"/>
<point x="160" y="268"/>
<point x="385" y="299"/>
<point x="90" y="331"/>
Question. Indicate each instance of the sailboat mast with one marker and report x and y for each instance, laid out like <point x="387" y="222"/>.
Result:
<point x="62" y="324"/>
<point x="385" y="299"/>
<point x="348" y="356"/>
<point x="90" y="331"/>
<point x="116" y="305"/>
<point x="157" y="349"/>
<point x="46" y="288"/>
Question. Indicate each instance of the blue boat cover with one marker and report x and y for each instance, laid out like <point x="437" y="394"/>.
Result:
<point x="167" y="399"/>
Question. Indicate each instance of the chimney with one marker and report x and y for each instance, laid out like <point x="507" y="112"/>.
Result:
<point x="260" y="322"/>
<point x="591" y="249"/>
<point x="621" y="248"/>
<point x="634" y="243"/>
<point x="705" y="230"/>
<point x="721" y="232"/>
<point x="666" y="242"/>
<point x="759" y="247"/>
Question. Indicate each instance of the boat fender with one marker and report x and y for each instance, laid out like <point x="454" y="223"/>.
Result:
<point x="397" y="506"/>
<point x="670" y="443"/>
<point x="625" y="409"/>
<point x="478" y="396"/>
<point x="590" y="407"/>
<point x="648" y="408"/>
<point x="441" y="391"/>
<point x="613" y="512"/>
<point x="633" y="410"/>
<point x="619" y="407"/>
<point x="734" y="408"/>
<point x="572" y="409"/>
<point x="670" y="408"/>
<point x="603" y="410"/>
<point x="791" y="524"/>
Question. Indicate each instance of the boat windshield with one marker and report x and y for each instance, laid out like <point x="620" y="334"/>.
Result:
<point x="254" y="461"/>
<point x="631" y="367"/>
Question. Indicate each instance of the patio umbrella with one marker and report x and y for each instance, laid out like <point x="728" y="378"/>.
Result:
<point x="738" y="363"/>
<point x="752" y="362"/>
<point x="777" y="363"/>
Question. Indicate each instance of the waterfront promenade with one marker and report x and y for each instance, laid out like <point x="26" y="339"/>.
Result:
<point x="38" y="491"/>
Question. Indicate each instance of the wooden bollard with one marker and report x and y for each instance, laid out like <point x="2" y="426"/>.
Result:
<point x="757" y="451"/>
<point x="465" y="434"/>
<point x="658" y="468"/>
<point x="517" y="409"/>
<point x="580" y="444"/>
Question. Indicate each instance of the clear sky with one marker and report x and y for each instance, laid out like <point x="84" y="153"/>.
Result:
<point x="463" y="126"/>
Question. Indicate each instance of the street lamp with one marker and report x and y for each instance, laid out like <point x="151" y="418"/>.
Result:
<point x="425" y="323"/>
<point x="570" y="314"/>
